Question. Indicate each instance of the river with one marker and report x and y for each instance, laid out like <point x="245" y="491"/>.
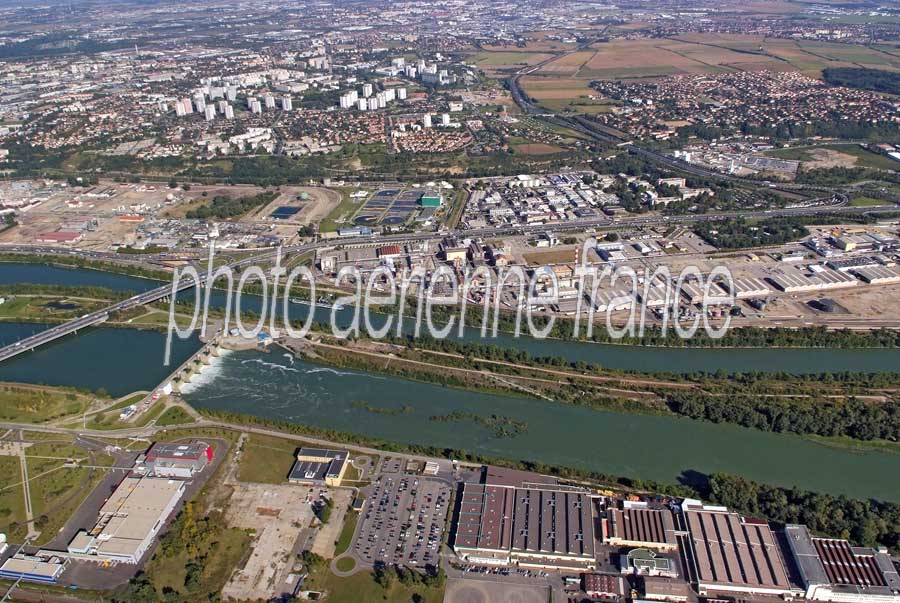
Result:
<point x="650" y="447"/>
<point x="118" y="360"/>
<point x="624" y="357"/>
<point x="276" y="386"/>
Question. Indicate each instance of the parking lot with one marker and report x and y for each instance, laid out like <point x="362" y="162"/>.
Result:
<point x="403" y="520"/>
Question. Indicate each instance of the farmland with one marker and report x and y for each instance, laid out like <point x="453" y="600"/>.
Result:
<point x="563" y="84"/>
<point x="714" y="53"/>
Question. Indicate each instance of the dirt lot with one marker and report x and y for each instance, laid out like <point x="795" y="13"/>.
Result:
<point x="828" y="158"/>
<point x="877" y="301"/>
<point x="68" y="208"/>
<point x="278" y="514"/>
<point x="460" y="590"/>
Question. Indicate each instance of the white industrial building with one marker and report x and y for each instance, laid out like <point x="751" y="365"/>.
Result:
<point x="129" y="521"/>
<point x="746" y="288"/>
<point x="820" y="281"/>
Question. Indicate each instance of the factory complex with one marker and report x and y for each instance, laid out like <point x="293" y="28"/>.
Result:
<point x="126" y="524"/>
<point x="668" y="552"/>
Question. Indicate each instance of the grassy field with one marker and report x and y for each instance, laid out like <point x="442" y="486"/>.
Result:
<point x="109" y="419"/>
<point x="34" y="404"/>
<point x="453" y="213"/>
<point x="346" y="564"/>
<point x="537" y="148"/>
<point x="362" y="587"/>
<point x="266" y="459"/>
<point x="346" y="537"/>
<point x="22" y="307"/>
<point x="340" y="215"/>
<point x="857" y="156"/>
<point x="56" y="490"/>
<point x="174" y="416"/>
<point x="565" y="94"/>
<point x="12" y="498"/>
<point x="866" y="201"/>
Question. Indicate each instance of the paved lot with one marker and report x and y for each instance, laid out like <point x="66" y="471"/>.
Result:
<point x="403" y="521"/>
<point x="463" y="590"/>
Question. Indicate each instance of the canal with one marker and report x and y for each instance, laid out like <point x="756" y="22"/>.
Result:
<point x="623" y="357"/>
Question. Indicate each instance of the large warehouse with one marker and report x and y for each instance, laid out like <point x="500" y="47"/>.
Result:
<point x="833" y="570"/>
<point x="130" y="520"/>
<point x="641" y="527"/>
<point x="725" y="553"/>
<point x="531" y="525"/>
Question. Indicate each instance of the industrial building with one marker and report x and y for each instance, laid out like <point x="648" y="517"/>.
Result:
<point x="725" y="553"/>
<point x="641" y="527"/>
<point x="833" y="570"/>
<point x="319" y="466"/>
<point x="175" y="460"/>
<point x="747" y="288"/>
<point x="820" y="281"/>
<point x="527" y="524"/>
<point x="879" y="275"/>
<point x="44" y="570"/>
<point x="129" y="520"/>
<point x="604" y="586"/>
<point x="665" y="589"/>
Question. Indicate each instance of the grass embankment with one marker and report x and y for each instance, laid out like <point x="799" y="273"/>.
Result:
<point x="339" y="217"/>
<point x="20" y="403"/>
<point x="175" y="415"/>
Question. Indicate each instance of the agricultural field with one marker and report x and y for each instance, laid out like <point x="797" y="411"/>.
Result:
<point x="508" y="60"/>
<point x="806" y="56"/>
<point x="565" y="93"/>
<point x="714" y="53"/>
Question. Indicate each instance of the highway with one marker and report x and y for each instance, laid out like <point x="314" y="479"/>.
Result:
<point x="586" y="127"/>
